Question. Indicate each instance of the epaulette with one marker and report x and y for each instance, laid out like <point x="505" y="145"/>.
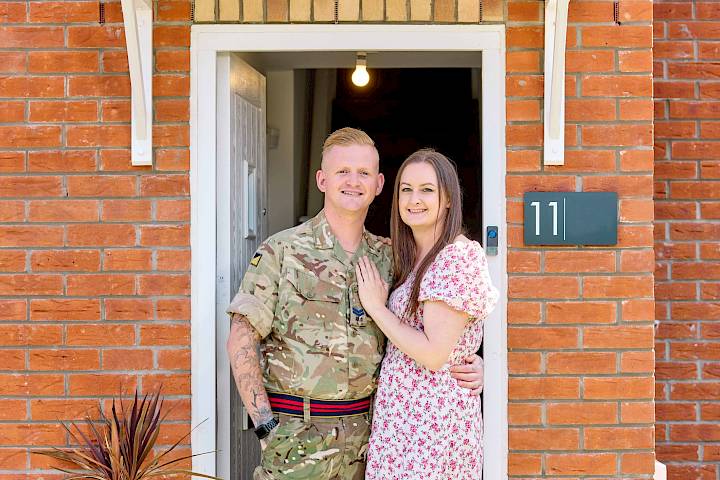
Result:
<point x="378" y="243"/>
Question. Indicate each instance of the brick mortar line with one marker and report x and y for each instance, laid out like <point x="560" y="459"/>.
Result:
<point x="140" y="223"/>
<point x="586" y="450"/>
<point x="576" y="349"/>
<point x="85" y="323"/>
<point x="86" y="297"/>
<point x="549" y="401"/>
<point x="559" y="325"/>
<point x="615" y="122"/>
<point x="139" y="348"/>
<point x="623" y="375"/>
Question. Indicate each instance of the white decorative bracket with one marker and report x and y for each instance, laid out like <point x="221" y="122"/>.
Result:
<point x="137" y="16"/>
<point x="660" y="471"/>
<point x="556" y="15"/>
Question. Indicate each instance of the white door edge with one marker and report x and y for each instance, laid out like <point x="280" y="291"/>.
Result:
<point x="207" y="41"/>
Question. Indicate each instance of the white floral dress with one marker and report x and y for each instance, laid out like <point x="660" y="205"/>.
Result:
<point x="425" y="426"/>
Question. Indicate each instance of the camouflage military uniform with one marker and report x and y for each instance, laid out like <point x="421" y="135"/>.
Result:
<point x="300" y="294"/>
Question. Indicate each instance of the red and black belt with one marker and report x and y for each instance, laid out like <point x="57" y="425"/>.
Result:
<point x="293" y="405"/>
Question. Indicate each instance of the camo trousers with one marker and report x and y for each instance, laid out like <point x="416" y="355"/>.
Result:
<point x="322" y="449"/>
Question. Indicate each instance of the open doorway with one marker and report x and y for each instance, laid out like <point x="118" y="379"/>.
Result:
<point x="469" y="59"/>
<point x="402" y="109"/>
<point x="406" y="109"/>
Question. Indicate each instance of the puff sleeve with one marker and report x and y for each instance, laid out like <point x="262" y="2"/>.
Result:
<point x="460" y="278"/>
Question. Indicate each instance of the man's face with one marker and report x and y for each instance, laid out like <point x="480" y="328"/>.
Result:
<point x="349" y="178"/>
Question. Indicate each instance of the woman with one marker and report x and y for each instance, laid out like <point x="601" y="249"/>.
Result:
<point x="424" y="425"/>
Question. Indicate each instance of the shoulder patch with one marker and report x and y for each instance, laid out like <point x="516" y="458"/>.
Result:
<point x="256" y="259"/>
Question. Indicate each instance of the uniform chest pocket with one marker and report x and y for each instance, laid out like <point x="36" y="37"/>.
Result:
<point x="313" y="311"/>
<point x="315" y="290"/>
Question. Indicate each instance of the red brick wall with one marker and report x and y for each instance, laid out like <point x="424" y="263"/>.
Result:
<point x="581" y="332"/>
<point x="94" y="253"/>
<point x="687" y="236"/>
<point x="94" y="278"/>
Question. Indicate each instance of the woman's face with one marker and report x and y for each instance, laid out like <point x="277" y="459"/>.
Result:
<point x="419" y="197"/>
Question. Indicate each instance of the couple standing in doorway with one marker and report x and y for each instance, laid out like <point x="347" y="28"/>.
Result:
<point x="330" y="397"/>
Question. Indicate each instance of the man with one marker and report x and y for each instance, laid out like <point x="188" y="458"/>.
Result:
<point x="321" y="353"/>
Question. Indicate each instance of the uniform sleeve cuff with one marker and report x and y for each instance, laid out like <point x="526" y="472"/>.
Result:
<point x="254" y="310"/>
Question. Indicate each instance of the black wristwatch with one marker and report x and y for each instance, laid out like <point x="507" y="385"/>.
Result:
<point x="264" y="430"/>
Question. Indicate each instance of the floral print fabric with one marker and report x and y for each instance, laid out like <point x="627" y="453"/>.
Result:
<point x="425" y="426"/>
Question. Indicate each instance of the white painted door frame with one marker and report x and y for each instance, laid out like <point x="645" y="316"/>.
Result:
<point x="209" y="40"/>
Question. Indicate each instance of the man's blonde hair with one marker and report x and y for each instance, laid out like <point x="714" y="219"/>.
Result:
<point x="347" y="136"/>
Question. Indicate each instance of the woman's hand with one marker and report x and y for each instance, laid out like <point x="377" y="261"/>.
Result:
<point x="372" y="288"/>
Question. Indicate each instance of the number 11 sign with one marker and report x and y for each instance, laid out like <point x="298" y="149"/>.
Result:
<point x="570" y="218"/>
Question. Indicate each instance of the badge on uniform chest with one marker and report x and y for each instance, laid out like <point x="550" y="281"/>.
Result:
<point x="358" y="313"/>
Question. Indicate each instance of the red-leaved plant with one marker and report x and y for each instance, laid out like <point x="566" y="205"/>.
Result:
<point x="120" y="447"/>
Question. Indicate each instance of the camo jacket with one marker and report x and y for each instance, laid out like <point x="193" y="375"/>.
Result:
<point x="300" y="294"/>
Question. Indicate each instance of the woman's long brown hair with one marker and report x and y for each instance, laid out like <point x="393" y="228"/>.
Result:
<point x="403" y="242"/>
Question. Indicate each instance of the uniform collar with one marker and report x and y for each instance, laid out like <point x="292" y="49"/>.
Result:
<point x="322" y="234"/>
<point x="325" y="239"/>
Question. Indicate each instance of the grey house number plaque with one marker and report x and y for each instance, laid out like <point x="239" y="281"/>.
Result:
<point x="570" y="218"/>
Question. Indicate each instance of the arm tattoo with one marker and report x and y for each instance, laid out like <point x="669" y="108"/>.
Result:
<point x="245" y="362"/>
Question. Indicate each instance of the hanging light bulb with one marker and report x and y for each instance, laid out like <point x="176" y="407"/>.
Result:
<point x="360" y="76"/>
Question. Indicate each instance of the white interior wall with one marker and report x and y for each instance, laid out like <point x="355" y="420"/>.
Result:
<point x="281" y="171"/>
<point x="323" y="95"/>
<point x="302" y="137"/>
